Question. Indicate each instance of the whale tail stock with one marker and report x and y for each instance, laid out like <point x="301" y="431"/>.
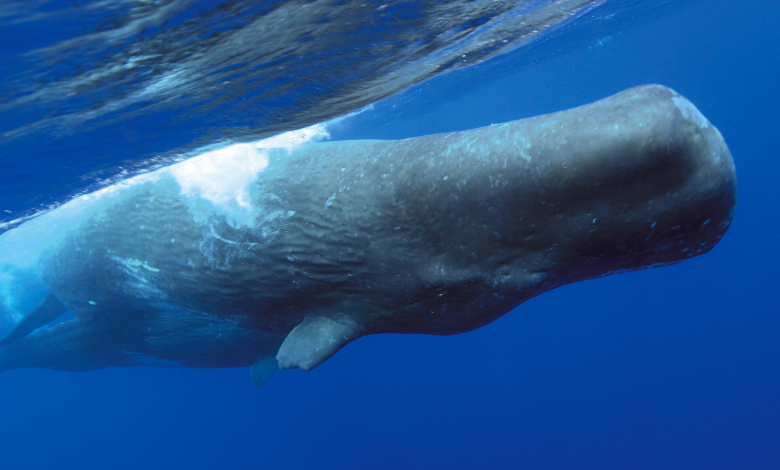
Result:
<point x="50" y="348"/>
<point x="158" y="339"/>
<point x="48" y="310"/>
<point x="68" y="346"/>
<point x="62" y="347"/>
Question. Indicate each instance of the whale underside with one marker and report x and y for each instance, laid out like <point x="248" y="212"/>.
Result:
<point x="438" y="234"/>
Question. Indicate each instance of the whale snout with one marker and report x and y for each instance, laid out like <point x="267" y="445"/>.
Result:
<point x="696" y="200"/>
<point x="636" y="180"/>
<point x="666" y="183"/>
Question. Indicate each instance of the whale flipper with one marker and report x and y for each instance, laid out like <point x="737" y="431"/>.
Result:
<point x="264" y="368"/>
<point x="49" y="309"/>
<point x="315" y="340"/>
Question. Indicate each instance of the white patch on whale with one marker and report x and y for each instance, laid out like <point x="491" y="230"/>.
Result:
<point x="219" y="177"/>
<point x="223" y="176"/>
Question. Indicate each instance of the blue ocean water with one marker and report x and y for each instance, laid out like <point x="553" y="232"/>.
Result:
<point x="677" y="367"/>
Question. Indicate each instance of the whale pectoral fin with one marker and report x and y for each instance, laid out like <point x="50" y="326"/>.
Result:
<point x="264" y="368"/>
<point x="49" y="309"/>
<point x="315" y="340"/>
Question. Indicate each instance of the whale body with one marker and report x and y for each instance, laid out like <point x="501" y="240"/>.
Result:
<point x="438" y="234"/>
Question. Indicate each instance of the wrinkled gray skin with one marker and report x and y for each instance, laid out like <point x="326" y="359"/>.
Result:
<point x="436" y="235"/>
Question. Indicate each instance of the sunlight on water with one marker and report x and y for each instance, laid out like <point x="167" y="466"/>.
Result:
<point x="116" y="87"/>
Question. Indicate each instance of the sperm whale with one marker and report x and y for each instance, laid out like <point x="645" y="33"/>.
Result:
<point x="439" y="234"/>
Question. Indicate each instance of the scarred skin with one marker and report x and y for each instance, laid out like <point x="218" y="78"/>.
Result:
<point x="436" y="235"/>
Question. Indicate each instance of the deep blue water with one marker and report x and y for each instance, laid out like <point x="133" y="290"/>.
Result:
<point x="677" y="367"/>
